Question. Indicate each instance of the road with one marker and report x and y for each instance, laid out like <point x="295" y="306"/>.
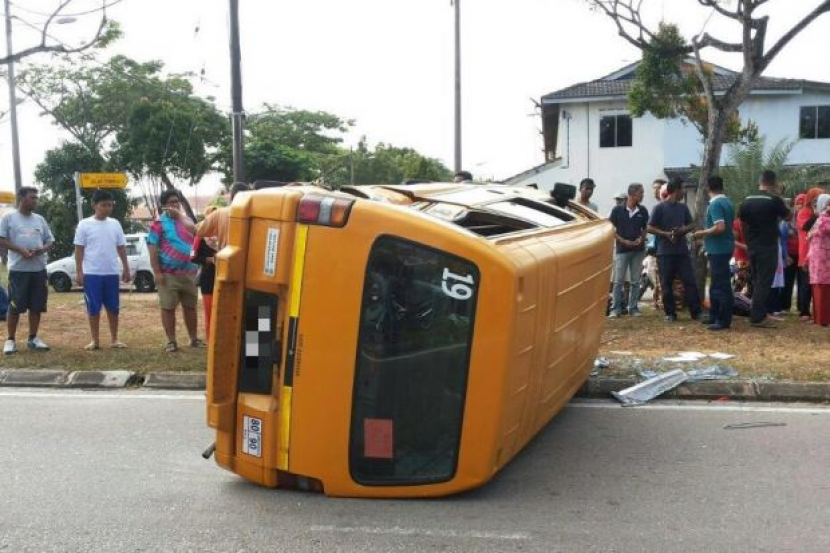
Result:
<point x="103" y="471"/>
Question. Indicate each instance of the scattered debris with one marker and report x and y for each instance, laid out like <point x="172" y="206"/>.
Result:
<point x="641" y="393"/>
<point x="694" y="356"/>
<point x="742" y="425"/>
<point x="622" y="353"/>
<point x="600" y="363"/>
<point x="715" y="372"/>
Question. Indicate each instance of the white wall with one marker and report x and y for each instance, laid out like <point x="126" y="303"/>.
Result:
<point x="659" y="144"/>
<point x="613" y="169"/>
<point x="778" y="117"/>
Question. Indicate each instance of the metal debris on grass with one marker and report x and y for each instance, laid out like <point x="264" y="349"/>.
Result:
<point x="641" y="393"/>
<point x="600" y="363"/>
<point x="712" y="372"/>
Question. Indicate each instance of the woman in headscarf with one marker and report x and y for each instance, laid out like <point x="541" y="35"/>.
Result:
<point x="802" y="223"/>
<point x="818" y="254"/>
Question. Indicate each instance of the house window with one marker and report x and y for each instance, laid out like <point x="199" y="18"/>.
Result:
<point x="614" y="131"/>
<point x="814" y="122"/>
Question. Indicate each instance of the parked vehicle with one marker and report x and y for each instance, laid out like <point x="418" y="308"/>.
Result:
<point x="63" y="277"/>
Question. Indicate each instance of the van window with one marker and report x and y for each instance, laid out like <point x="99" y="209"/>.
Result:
<point x="416" y="328"/>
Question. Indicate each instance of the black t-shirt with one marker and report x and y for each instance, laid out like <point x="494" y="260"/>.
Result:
<point x="761" y="213"/>
<point x="667" y="216"/>
<point x="629" y="226"/>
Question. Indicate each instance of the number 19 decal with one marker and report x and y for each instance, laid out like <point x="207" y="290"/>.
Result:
<point x="459" y="287"/>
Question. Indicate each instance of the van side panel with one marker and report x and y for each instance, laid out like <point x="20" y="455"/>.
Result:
<point x="562" y="289"/>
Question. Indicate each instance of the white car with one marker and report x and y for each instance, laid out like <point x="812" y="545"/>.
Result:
<point x="62" y="274"/>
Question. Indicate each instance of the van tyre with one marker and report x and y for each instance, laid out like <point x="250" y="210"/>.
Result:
<point x="144" y="282"/>
<point x="61" y="282"/>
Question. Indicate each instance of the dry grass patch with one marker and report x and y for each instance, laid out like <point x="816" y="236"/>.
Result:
<point x="66" y="330"/>
<point x="793" y="351"/>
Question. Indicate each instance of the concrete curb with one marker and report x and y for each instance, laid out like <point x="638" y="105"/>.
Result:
<point x="746" y="390"/>
<point x="596" y="387"/>
<point x="175" y="381"/>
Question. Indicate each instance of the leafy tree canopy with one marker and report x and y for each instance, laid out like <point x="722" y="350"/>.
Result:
<point x="390" y="164"/>
<point x="58" y="204"/>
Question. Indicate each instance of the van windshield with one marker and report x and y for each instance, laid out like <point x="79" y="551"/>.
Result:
<point x="416" y="328"/>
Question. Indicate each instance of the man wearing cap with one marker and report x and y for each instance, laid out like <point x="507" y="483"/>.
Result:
<point x="586" y="190"/>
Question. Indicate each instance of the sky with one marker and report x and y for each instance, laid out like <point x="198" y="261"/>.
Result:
<point x="389" y="64"/>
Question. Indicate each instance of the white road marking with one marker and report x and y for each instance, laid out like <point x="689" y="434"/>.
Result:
<point x="693" y="406"/>
<point x="426" y="532"/>
<point x="80" y="394"/>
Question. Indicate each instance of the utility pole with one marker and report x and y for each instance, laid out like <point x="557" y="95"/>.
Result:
<point x="18" y="179"/>
<point x="458" y="166"/>
<point x="238" y="115"/>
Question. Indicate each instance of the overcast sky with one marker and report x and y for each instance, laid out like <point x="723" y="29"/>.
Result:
<point x="388" y="64"/>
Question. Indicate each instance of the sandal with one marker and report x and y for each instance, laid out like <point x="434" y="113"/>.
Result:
<point x="171" y="347"/>
<point x="92" y="346"/>
<point x="118" y="345"/>
<point x="197" y="343"/>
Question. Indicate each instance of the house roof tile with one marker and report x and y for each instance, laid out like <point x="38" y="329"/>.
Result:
<point x="619" y="83"/>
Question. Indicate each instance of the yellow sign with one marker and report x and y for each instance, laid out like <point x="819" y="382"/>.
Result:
<point x="7" y="197"/>
<point x="103" y="180"/>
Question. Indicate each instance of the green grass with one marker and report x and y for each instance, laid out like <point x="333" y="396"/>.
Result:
<point x="65" y="328"/>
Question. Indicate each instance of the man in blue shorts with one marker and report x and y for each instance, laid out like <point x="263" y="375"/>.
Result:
<point x="27" y="237"/>
<point x="99" y="244"/>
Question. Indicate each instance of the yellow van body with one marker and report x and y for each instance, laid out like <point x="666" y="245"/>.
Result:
<point x="412" y="351"/>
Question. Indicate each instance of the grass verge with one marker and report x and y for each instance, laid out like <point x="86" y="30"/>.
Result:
<point x="793" y="351"/>
<point x="65" y="328"/>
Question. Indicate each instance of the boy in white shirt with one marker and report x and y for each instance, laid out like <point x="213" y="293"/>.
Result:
<point x="99" y="244"/>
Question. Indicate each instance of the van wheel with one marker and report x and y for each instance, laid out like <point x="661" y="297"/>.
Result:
<point x="61" y="282"/>
<point x="144" y="282"/>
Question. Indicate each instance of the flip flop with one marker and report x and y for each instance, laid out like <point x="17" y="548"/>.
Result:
<point x="92" y="346"/>
<point x="118" y="345"/>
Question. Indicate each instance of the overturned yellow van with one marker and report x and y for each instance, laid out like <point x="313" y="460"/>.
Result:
<point x="394" y="341"/>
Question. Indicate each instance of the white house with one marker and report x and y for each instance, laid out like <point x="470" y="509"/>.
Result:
<point x="588" y="132"/>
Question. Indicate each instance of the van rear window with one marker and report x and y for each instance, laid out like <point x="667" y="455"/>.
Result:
<point x="416" y="328"/>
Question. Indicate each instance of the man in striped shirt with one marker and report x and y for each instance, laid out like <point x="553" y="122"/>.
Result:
<point x="170" y="240"/>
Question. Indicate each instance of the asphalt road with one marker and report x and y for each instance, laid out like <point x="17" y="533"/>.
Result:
<point x="99" y="471"/>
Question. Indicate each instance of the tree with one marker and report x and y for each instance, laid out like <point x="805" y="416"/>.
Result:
<point x="58" y="204"/>
<point x="137" y="119"/>
<point x="286" y="144"/>
<point x="390" y="164"/>
<point x="106" y="32"/>
<point x="746" y="161"/>
<point x="751" y="44"/>
<point x="665" y="51"/>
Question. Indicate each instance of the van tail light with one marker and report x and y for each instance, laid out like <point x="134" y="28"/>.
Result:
<point x="324" y="210"/>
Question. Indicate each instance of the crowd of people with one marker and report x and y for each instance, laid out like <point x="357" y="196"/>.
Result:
<point x="181" y="252"/>
<point x="757" y="254"/>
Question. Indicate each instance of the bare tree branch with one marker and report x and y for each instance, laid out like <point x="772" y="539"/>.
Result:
<point x="626" y="13"/>
<point x="59" y="48"/>
<point x="715" y="5"/>
<point x="821" y="9"/>
<point x="708" y="40"/>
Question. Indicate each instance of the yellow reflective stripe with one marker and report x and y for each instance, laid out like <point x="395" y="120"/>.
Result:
<point x="297" y="273"/>
<point x="287" y="394"/>
<point x="285" y="427"/>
